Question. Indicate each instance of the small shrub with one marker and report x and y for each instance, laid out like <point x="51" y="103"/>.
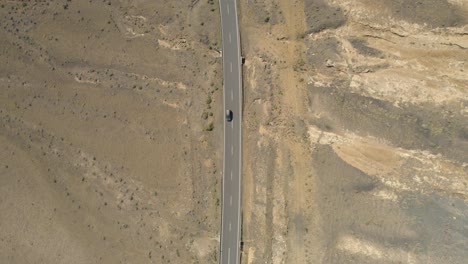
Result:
<point x="267" y="19"/>
<point x="209" y="127"/>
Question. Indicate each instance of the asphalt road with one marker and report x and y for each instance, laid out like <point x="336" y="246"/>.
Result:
<point x="231" y="200"/>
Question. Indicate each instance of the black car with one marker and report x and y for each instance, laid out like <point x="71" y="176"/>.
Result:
<point x="228" y="115"/>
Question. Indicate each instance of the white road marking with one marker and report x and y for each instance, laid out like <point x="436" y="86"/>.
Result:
<point x="230" y="40"/>
<point x="232" y="149"/>
<point x="230" y="201"/>
<point x="229" y="255"/>
<point x="227" y="8"/>
<point x="232" y="125"/>
<point x="231" y="66"/>
<point x="232" y="95"/>
<point x="231" y="175"/>
<point x="229" y="226"/>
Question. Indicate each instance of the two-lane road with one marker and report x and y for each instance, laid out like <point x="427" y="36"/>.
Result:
<point x="231" y="200"/>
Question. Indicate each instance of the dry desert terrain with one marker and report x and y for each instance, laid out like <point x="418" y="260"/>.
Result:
<point x="355" y="131"/>
<point x="110" y="131"/>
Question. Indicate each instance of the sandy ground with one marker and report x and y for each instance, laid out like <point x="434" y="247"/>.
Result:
<point x="109" y="146"/>
<point x="356" y="131"/>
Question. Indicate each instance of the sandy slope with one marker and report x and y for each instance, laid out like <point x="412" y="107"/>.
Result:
<point x="105" y="155"/>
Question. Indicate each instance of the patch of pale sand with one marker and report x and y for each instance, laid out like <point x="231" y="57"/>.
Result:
<point x="250" y="255"/>
<point x="248" y="195"/>
<point x="176" y="44"/>
<point x="208" y="163"/>
<point x="77" y="79"/>
<point x="88" y="75"/>
<point x="415" y="72"/>
<point x="437" y="171"/>
<point x="178" y="85"/>
<point x="132" y="26"/>
<point x="278" y="248"/>
<point x="370" y="157"/>
<point x="364" y="12"/>
<point x="163" y="29"/>
<point x="266" y="136"/>
<point x="462" y="3"/>
<point x="403" y="85"/>
<point x="142" y="18"/>
<point x="250" y="69"/>
<point x="164" y="228"/>
<point x="202" y="246"/>
<point x="132" y="34"/>
<point x="173" y="105"/>
<point x="320" y="80"/>
<point x="279" y="210"/>
<point x="397" y="184"/>
<point x="377" y="158"/>
<point x="386" y="195"/>
<point x="95" y="174"/>
<point x="215" y="53"/>
<point x="266" y="107"/>
<point x="357" y="246"/>
<point x="318" y="136"/>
